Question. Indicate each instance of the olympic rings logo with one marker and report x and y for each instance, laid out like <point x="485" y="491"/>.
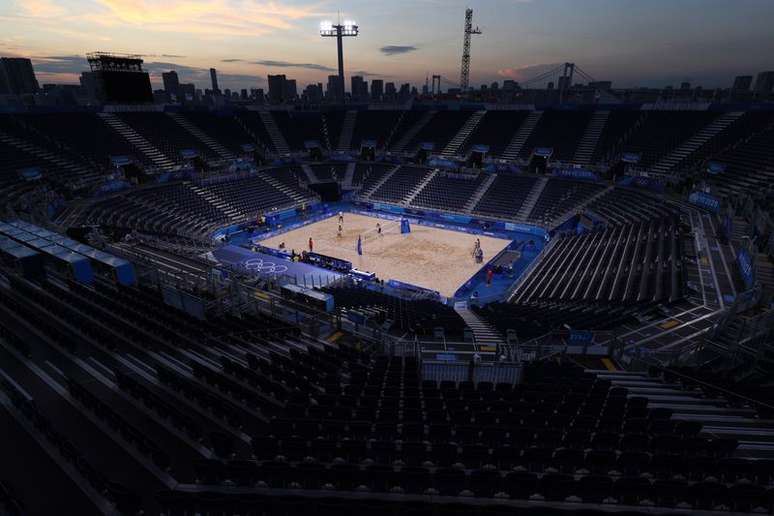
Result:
<point x="261" y="267"/>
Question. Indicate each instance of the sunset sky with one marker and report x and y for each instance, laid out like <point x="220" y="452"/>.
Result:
<point x="632" y="42"/>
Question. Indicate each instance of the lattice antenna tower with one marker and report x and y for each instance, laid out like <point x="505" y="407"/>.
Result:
<point x="469" y="30"/>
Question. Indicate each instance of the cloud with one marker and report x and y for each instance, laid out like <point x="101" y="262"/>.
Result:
<point x="68" y="68"/>
<point x="526" y="72"/>
<point x="288" y="64"/>
<point x="364" y="73"/>
<point x="394" y="50"/>
<point x="222" y="18"/>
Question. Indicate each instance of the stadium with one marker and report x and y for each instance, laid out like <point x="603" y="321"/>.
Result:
<point x="448" y="306"/>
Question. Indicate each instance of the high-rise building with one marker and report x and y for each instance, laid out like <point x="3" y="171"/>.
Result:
<point x="313" y="93"/>
<point x="214" y="78"/>
<point x="359" y="88"/>
<point x="171" y="82"/>
<point x="17" y="77"/>
<point x="377" y="89"/>
<point x="764" y="83"/>
<point x="390" y="93"/>
<point x="291" y="90"/>
<point x="277" y="89"/>
<point x="188" y="91"/>
<point x="334" y="88"/>
<point x="243" y="94"/>
<point x="742" y="83"/>
<point x="405" y="92"/>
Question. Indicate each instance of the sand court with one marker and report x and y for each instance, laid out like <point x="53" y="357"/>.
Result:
<point x="434" y="258"/>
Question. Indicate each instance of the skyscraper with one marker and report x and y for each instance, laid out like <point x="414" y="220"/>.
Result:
<point x="17" y="76"/>
<point x="359" y="87"/>
<point x="764" y="83"/>
<point x="291" y="90"/>
<point x="742" y="83"/>
<point x="214" y="77"/>
<point x="377" y="89"/>
<point x="334" y="89"/>
<point x="171" y="82"/>
<point x="277" y="89"/>
<point x="390" y="93"/>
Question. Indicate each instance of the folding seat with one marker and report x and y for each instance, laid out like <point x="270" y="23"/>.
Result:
<point x="449" y="481"/>
<point x="381" y="477"/>
<point x="522" y="437"/>
<point x="358" y="429"/>
<point x="633" y="443"/>
<point x="382" y="451"/>
<point x="576" y="438"/>
<point x="353" y="450"/>
<point x="520" y="484"/>
<point x="443" y="454"/>
<point x="506" y="457"/>
<point x="465" y="434"/>
<point x="632" y="463"/>
<point x="708" y="495"/>
<point x="536" y="459"/>
<point x="275" y="474"/>
<point x="568" y="460"/>
<point x="324" y="450"/>
<point x="242" y="472"/>
<point x="594" y="488"/>
<point x="222" y="444"/>
<point x="345" y="476"/>
<point x="493" y="436"/>
<point x="670" y="493"/>
<point x="601" y="461"/>
<point x="414" y="479"/>
<point x="632" y="490"/>
<point x="485" y="482"/>
<point x="386" y="431"/>
<point x="294" y="448"/>
<point x="605" y="441"/>
<point x="474" y="455"/>
<point x="556" y="486"/>
<point x="412" y="432"/>
<point x="309" y="474"/>
<point x="666" y="444"/>
<point x="439" y="432"/>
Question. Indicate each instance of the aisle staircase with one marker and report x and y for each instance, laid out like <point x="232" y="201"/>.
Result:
<point x="386" y="177"/>
<point x="309" y="173"/>
<point x="588" y="143"/>
<point x="217" y="201"/>
<point x="277" y="139"/>
<point x="200" y="135"/>
<point x="532" y="198"/>
<point x="409" y="135"/>
<point x="293" y="193"/>
<point x="78" y="174"/>
<point x="347" y="128"/>
<point x="453" y="147"/>
<point x="137" y="140"/>
<point x="522" y="135"/>
<point x="483" y="333"/>
<point x="719" y="416"/>
<point x="349" y="175"/>
<point x="479" y="193"/>
<point x="695" y="142"/>
<point x="423" y="183"/>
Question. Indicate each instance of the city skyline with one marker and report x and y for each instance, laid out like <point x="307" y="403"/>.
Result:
<point x="702" y="41"/>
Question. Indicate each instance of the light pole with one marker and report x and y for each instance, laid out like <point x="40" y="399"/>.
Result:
<point x="339" y="31"/>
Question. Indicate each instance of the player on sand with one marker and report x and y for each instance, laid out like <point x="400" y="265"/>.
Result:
<point x="341" y="218"/>
<point x="378" y="229"/>
<point x="338" y="234"/>
<point x="311" y="245"/>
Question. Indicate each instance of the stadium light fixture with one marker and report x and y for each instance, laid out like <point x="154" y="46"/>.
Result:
<point x="339" y="31"/>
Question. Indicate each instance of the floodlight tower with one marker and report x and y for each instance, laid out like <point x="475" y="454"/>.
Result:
<point x="465" y="73"/>
<point x="339" y="31"/>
